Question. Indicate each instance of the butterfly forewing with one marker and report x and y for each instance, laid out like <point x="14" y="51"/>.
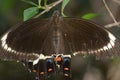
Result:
<point x="86" y="38"/>
<point x="25" y="41"/>
<point x="29" y="39"/>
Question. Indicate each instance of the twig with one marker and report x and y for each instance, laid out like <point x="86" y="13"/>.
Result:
<point x="110" y="13"/>
<point x="49" y="7"/>
<point x="111" y="25"/>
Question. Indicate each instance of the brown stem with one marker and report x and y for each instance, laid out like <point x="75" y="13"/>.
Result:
<point x="49" y="7"/>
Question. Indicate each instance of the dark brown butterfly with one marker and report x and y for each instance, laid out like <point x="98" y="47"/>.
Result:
<point x="46" y="46"/>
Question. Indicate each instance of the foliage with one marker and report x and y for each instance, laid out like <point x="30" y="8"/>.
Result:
<point x="64" y="3"/>
<point x="34" y="11"/>
<point x="30" y="12"/>
<point x="90" y="16"/>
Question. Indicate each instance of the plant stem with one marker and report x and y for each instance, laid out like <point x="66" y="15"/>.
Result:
<point x="45" y="2"/>
<point x="106" y="6"/>
<point x="49" y="7"/>
<point x="111" y="25"/>
<point x="39" y="3"/>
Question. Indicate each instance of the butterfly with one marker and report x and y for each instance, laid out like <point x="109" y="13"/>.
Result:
<point x="47" y="45"/>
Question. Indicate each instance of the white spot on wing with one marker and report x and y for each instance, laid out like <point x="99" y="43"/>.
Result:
<point x="42" y="56"/>
<point x="36" y="61"/>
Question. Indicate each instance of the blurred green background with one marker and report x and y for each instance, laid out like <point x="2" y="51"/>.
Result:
<point x="11" y="13"/>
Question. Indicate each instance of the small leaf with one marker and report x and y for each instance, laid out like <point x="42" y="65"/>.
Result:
<point x="89" y="16"/>
<point x="29" y="2"/>
<point x="64" y="3"/>
<point x="30" y="12"/>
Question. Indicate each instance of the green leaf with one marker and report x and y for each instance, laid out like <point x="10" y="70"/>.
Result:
<point x="64" y="3"/>
<point x="30" y="12"/>
<point x="89" y="16"/>
<point x="30" y="2"/>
